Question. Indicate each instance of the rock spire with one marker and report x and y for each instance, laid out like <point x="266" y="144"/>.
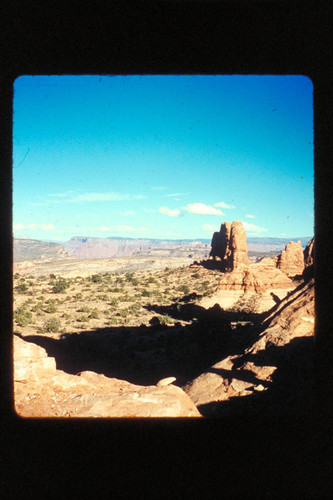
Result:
<point x="291" y="259"/>
<point x="229" y="245"/>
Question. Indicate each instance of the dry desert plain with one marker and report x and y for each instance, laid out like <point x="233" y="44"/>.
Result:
<point x="140" y="329"/>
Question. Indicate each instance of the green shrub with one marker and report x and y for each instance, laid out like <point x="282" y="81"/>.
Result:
<point x="38" y="307"/>
<point x="184" y="288"/>
<point x="96" y="278"/>
<point x="84" y="309"/>
<point x="82" y="319"/>
<point x="94" y="314"/>
<point x="60" y="285"/>
<point x="52" y="325"/>
<point x="164" y="320"/>
<point x="51" y="308"/>
<point x="22" y="317"/>
<point x="22" y="288"/>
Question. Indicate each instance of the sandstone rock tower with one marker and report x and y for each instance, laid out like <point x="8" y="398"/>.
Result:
<point x="229" y="245"/>
<point x="291" y="259"/>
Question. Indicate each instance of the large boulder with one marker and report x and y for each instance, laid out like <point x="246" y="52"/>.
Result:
<point x="291" y="259"/>
<point x="41" y="390"/>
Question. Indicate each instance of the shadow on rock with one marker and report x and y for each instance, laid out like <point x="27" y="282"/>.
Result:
<point x="144" y="355"/>
<point x="290" y="391"/>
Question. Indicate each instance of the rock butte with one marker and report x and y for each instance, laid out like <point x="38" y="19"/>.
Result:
<point x="291" y="259"/>
<point x="230" y="246"/>
<point x="270" y="277"/>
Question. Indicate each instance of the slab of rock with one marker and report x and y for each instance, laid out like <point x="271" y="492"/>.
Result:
<point x="257" y="278"/>
<point x="31" y="361"/>
<point x="309" y="253"/>
<point x="43" y="391"/>
<point x="283" y="336"/>
<point x="166" y="381"/>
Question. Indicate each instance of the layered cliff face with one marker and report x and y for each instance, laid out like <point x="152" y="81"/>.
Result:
<point x="229" y="245"/>
<point x="256" y="278"/>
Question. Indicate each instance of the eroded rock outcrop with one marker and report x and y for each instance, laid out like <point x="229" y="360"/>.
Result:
<point x="291" y="259"/>
<point x="309" y="253"/>
<point x="229" y="245"/>
<point x="274" y="374"/>
<point x="257" y="278"/>
<point x="43" y="391"/>
<point x="220" y="242"/>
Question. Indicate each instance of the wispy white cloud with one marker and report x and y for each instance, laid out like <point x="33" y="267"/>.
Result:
<point x="91" y="197"/>
<point x="169" y="212"/>
<point x="249" y="216"/>
<point x="70" y="197"/>
<point x="221" y="204"/>
<point x="209" y="228"/>
<point x="66" y="194"/>
<point x="175" y="195"/>
<point x="127" y="212"/>
<point x="202" y="209"/>
<point x="44" y="227"/>
<point x="128" y="228"/>
<point x="252" y="228"/>
<point x="149" y="210"/>
<point x="103" y="228"/>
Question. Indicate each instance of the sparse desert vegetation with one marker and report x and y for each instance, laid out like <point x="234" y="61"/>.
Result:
<point x="57" y="305"/>
<point x="197" y="324"/>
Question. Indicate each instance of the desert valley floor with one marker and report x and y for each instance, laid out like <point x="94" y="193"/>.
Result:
<point x="157" y="341"/>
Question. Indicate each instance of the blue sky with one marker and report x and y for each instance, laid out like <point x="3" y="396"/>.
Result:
<point x="162" y="156"/>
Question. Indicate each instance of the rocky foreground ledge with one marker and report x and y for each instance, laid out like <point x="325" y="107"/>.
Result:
<point x="41" y="390"/>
